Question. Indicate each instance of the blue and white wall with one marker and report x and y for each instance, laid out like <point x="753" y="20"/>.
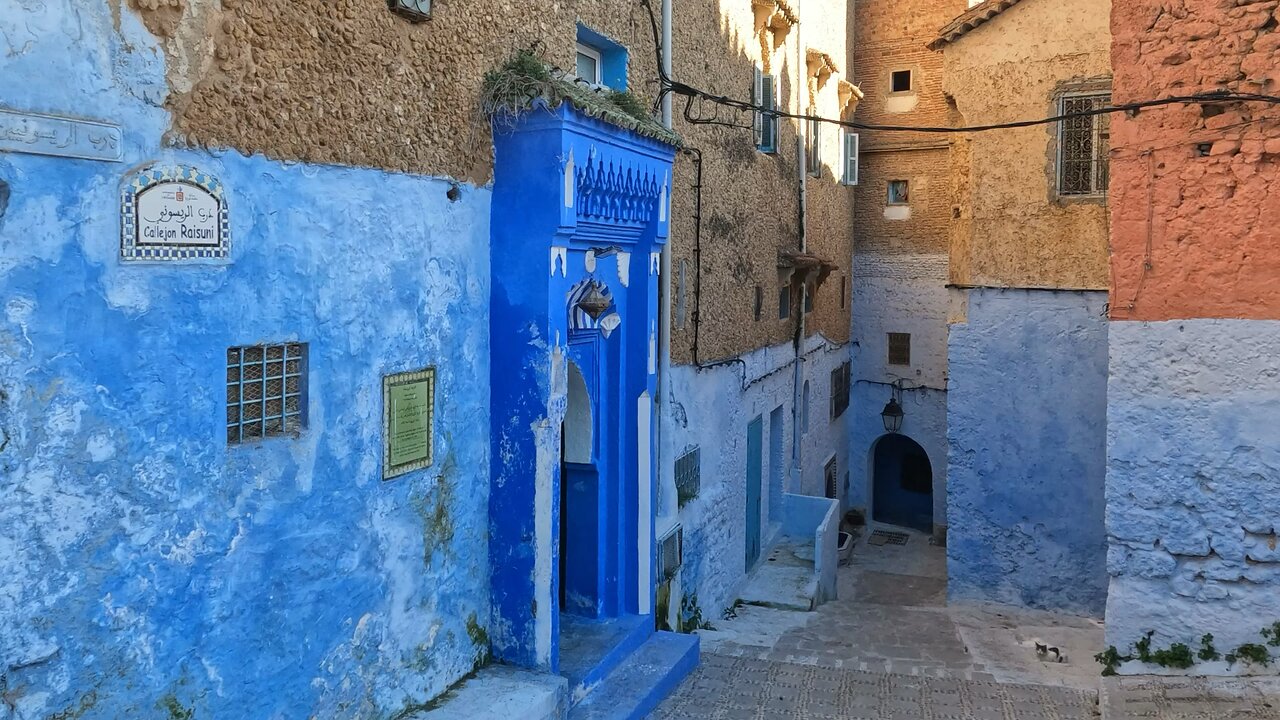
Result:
<point x="146" y="567"/>
<point x="899" y="294"/>
<point x="1193" y="502"/>
<point x="1026" y="425"/>
<point x="710" y="410"/>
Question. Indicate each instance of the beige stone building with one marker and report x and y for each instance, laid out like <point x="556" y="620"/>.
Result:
<point x="1027" y="336"/>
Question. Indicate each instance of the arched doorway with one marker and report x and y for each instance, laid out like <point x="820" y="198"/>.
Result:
<point x="902" y="479"/>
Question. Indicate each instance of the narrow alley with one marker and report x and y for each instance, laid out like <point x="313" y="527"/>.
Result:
<point x="891" y="649"/>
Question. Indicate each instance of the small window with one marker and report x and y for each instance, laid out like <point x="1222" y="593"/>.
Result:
<point x="1084" y="144"/>
<point x="814" y="147"/>
<point x="688" y="476"/>
<point x="899" y="348"/>
<point x="809" y="292"/>
<point x="590" y="64"/>
<point x="829" y="475"/>
<point x="784" y="302"/>
<point x="850" y="173"/>
<point x="840" y="380"/>
<point x="899" y="192"/>
<point x="844" y="285"/>
<point x="759" y="304"/>
<point x="764" y="94"/>
<point x="901" y="81"/>
<point x="266" y="391"/>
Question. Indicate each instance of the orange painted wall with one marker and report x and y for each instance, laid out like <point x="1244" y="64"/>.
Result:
<point x="1195" y="236"/>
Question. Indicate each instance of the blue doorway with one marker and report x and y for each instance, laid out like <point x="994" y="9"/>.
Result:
<point x="755" y="461"/>
<point x="902" y="478"/>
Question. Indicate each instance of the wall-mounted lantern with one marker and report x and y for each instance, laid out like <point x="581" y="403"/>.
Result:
<point x="411" y="10"/>
<point x="892" y="416"/>
<point x="594" y="303"/>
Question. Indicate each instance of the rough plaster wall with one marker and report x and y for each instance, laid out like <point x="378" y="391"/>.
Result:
<point x="1193" y="507"/>
<point x="348" y="82"/>
<point x="145" y="566"/>
<point x="1013" y="229"/>
<point x="1026" y="425"/>
<point x="713" y="412"/>
<point x="1210" y="247"/>
<point x="899" y="294"/>
<point x="750" y="206"/>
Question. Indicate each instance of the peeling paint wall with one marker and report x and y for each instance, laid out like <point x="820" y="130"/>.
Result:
<point x="147" y="567"/>
<point x="1192" y="400"/>
<point x="1011" y="227"/>
<point x="1025" y="422"/>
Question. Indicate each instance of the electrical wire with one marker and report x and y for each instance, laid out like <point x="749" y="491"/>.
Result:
<point x="691" y="93"/>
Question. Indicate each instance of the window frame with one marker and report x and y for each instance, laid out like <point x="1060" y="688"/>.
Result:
<point x="765" y="127"/>
<point x="889" y="201"/>
<point x="889" y="349"/>
<point x="852" y="159"/>
<point x="814" y="149"/>
<point x="1100" y="162"/>
<point x="595" y="54"/>
<point x="911" y="81"/>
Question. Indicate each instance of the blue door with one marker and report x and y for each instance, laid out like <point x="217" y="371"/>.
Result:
<point x="903" y="483"/>
<point x="755" y="451"/>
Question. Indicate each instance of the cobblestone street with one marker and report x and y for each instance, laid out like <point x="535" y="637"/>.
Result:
<point x="891" y="649"/>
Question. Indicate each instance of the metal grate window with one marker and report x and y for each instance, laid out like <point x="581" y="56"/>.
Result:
<point x="670" y="554"/>
<point x="899" y="348"/>
<point x="688" y="476"/>
<point x="1084" y="144"/>
<point x="829" y="475"/>
<point x="266" y="391"/>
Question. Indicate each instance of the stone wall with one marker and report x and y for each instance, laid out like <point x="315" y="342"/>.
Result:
<point x="1192" y="402"/>
<point x="1194" y="187"/>
<point x="1027" y="457"/>
<point x="148" y="567"/>
<point x="750" y="203"/>
<point x="1011" y="226"/>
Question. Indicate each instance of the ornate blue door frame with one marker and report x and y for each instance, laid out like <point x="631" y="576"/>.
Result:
<point x="579" y="205"/>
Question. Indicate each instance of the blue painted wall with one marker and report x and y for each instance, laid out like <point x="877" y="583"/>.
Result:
<point x="547" y="216"/>
<point x="146" y="567"/>
<point x="1193" y="501"/>
<point x="1026" y="422"/>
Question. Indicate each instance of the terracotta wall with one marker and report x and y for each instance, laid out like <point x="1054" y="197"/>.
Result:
<point x="1011" y="227"/>
<point x="1195" y="190"/>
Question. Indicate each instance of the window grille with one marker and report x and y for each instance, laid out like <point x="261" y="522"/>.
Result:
<point x="1084" y="144"/>
<point x="266" y="391"/>
<point x="840" y="380"/>
<point x="899" y="348"/>
<point x="829" y="475"/>
<point x="688" y="476"/>
<point x="765" y="95"/>
<point x="670" y="554"/>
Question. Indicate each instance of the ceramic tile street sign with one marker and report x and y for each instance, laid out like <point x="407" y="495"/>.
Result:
<point x="37" y="134"/>
<point x="408" y="401"/>
<point x="174" y="213"/>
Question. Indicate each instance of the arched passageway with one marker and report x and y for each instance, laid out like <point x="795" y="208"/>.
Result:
<point x="902" y="483"/>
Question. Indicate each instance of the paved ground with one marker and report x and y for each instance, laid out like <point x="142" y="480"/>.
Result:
<point x="890" y="649"/>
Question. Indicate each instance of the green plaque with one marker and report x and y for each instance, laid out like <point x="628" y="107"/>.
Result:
<point x="408" y="401"/>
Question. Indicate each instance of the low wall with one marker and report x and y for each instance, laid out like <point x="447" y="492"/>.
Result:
<point x="818" y="518"/>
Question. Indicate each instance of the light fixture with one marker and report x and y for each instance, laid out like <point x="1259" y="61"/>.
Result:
<point x="594" y="303"/>
<point x="892" y="415"/>
<point x="411" y="10"/>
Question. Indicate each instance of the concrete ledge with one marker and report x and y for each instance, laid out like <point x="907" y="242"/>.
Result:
<point x="499" y="692"/>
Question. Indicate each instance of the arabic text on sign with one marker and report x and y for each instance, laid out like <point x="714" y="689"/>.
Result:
<point x="174" y="213"/>
<point x="38" y="134"/>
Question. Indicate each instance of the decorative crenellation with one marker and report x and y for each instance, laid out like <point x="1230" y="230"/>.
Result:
<point x="611" y="191"/>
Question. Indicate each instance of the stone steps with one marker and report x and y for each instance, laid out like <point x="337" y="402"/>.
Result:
<point x="636" y="686"/>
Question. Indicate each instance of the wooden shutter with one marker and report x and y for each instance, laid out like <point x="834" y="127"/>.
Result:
<point x="757" y="99"/>
<point x="850" y="158"/>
